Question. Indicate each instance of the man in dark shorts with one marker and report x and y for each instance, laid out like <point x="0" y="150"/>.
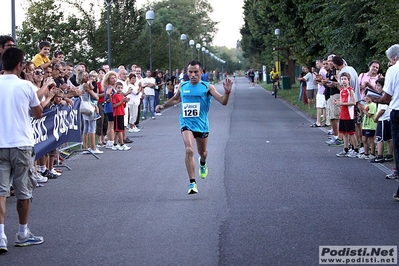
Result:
<point x="251" y="76"/>
<point x="195" y="97"/>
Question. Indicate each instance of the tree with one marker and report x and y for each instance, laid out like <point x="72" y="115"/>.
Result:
<point x="43" y="24"/>
<point x="195" y="23"/>
<point x="126" y="24"/>
<point x="358" y="30"/>
<point x="82" y="34"/>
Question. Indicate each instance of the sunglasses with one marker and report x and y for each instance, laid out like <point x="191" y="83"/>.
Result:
<point x="39" y="72"/>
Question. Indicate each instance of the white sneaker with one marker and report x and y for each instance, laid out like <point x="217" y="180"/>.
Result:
<point x="352" y="154"/>
<point x="361" y="156"/>
<point x="152" y="117"/>
<point x="55" y="172"/>
<point x="3" y="244"/>
<point x="97" y="151"/>
<point x="158" y="114"/>
<point x="27" y="240"/>
<point x="130" y="130"/>
<point x="40" y="178"/>
<point x="116" y="147"/>
<point x="110" y="144"/>
<point x="342" y="154"/>
<point x="124" y="147"/>
<point x="361" y="150"/>
<point x="135" y="130"/>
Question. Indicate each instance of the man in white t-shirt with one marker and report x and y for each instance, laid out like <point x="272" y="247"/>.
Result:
<point x="139" y="83"/>
<point x="148" y="83"/>
<point x="134" y="102"/>
<point x="122" y="76"/>
<point x="18" y="100"/>
<point x="311" y="86"/>
<point x="391" y="97"/>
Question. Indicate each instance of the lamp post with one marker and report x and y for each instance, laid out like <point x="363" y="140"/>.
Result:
<point x="13" y="20"/>
<point x="277" y="33"/>
<point x="150" y="16"/>
<point x="203" y="56"/>
<point x="207" y="52"/>
<point x="183" y="39"/>
<point x="212" y="56"/>
<point x="169" y="29"/>
<point x="191" y="43"/>
<point x="198" y="46"/>
<point x="109" y="31"/>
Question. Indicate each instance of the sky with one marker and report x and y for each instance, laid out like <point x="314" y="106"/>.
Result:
<point x="229" y="16"/>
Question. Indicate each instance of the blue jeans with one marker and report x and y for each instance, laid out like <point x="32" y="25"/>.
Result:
<point x="149" y="99"/>
<point x="156" y="100"/>
<point x="300" y="92"/>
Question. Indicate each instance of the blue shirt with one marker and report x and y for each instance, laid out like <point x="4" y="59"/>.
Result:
<point x="205" y="77"/>
<point x="108" y="105"/>
<point x="195" y="106"/>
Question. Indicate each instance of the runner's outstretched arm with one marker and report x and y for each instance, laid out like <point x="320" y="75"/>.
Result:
<point x="172" y="101"/>
<point x="223" y="99"/>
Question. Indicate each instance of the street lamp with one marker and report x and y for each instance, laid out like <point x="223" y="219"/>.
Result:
<point x="191" y="43"/>
<point x="277" y="33"/>
<point x="183" y="39"/>
<point x="207" y="52"/>
<point x="198" y="46"/>
<point x="212" y="57"/>
<point x="150" y="16"/>
<point x="109" y="31"/>
<point x="203" y="54"/>
<point x="13" y="20"/>
<point x="169" y="29"/>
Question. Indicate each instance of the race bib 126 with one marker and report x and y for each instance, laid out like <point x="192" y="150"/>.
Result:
<point x="191" y="109"/>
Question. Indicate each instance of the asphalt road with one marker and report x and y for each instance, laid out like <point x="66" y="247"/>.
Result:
<point x="275" y="192"/>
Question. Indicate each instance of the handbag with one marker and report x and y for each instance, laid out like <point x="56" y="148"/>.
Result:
<point x="86" y="107"/>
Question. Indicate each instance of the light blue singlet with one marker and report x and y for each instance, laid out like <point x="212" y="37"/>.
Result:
<point x="195" y="103"/>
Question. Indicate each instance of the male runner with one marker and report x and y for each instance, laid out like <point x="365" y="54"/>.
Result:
<point x="196" y="96"/>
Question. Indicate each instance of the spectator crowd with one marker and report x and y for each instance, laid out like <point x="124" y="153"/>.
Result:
<point x="347" y="103"/>
<point x="121" y="98"/>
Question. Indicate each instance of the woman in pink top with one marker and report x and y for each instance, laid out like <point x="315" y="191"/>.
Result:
<point x="367" y="80"/>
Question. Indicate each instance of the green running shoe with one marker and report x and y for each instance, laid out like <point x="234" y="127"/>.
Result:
<point x="192" y="188"/>
<point x="203" y="169"/>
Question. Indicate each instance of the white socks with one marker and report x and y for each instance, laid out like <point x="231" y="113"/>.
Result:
<point x="22" y="229"/>
<point x="2" y="234"/>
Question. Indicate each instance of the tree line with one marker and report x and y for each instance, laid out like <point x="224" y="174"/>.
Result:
<point x="80" y="31"/>
<point x="359" y="30"/>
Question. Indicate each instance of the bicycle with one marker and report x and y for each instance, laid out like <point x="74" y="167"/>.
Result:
<point x="274" y="88"/>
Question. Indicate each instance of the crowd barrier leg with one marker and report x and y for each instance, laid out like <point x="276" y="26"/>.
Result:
<point x="69" y="154"/>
